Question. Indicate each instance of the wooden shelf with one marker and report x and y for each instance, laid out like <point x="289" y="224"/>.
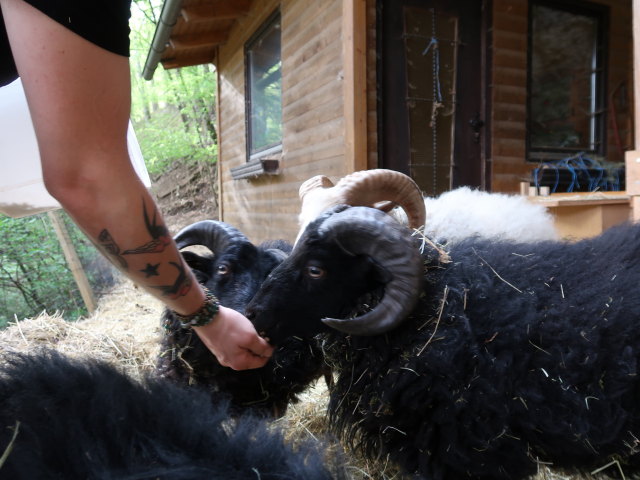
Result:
<point x="582" y="199"/>
<point x="582" y="215"/>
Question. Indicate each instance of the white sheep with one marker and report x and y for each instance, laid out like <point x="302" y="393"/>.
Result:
<point x="465" y="212"/>
<point x="454" y="215"/>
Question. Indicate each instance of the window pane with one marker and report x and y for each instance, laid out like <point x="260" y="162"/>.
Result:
<point x="265" y="83"/>
<point x="563" y="80"/>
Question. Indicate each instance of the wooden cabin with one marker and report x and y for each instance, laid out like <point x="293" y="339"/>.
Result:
<point x="451" y="92"/>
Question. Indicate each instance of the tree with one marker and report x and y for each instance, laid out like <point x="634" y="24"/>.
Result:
<point x="174" y="113"/>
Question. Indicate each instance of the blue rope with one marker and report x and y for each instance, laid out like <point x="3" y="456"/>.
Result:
<point x="580" y="167"/>
<point x="436" y="60"/>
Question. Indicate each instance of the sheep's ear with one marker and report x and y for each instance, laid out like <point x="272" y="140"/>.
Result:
<point x="277" y="254"/>
<point x="378" y="273"/>
<point x="198" y="263"/>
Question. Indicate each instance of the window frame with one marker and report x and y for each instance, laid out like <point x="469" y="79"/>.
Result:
<point x="272" y="150"/>
<point x="601" y="13"/>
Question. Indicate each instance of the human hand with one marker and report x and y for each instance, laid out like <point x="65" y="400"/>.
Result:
<point x="234" y="341"/>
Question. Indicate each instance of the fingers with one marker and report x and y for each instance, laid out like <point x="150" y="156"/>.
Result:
<point x="234" y="341"/>
<point x="260" y="347"/>
<point x="243" y="359"/>
<point x="247" y="361"/>
<point x="255" y="355"/>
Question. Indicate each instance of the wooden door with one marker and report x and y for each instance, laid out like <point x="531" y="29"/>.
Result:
<point x="432" y="113"/>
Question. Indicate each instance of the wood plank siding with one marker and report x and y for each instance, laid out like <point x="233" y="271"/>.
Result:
<point x="313" y="113"/>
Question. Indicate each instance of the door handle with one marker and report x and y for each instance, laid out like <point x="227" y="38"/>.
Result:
<point x="476" y="124"/>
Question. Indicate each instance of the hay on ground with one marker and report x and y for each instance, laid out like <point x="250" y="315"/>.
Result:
<point x="124" y="330"/>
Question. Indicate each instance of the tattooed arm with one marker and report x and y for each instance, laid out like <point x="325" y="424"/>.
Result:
<point x="230" y="337"/>
<point x="79" y="98"/>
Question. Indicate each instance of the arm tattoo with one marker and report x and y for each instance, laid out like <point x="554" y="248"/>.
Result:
<point x="159" y="234"/>
<point x="151" y="270"/>
<point x="180" y="287"/>
<point x="160" y="239"/>
<point x="111" y="247"/>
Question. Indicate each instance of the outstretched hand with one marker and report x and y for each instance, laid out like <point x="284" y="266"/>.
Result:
<point x="234" y="341"/>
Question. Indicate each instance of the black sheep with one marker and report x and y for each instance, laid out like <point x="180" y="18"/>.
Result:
<point x="473" y="363"/>
<point x="234" y="273"/>
<point x="63" y="418"/>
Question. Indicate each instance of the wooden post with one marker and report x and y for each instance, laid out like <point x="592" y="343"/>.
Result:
<point x="632" y="158"/>
<point x="354" y="57"/>
<point x="219" y="134"/>
<point x="636" y="66"/>
<point x="72" y="260"/>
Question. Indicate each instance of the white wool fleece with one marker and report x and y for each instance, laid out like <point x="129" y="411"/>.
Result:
<point x="466" y="212"/>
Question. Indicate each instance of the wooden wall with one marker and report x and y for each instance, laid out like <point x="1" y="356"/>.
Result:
<point x="312" y="115"/>
<point x="620" y="89"/>
<point x="508" y="86"/>
<point x="315" y="103"/>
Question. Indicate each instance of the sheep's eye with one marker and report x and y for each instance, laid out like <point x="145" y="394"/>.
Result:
<point x="223" y="269"/>
<point x="315" y="272"/>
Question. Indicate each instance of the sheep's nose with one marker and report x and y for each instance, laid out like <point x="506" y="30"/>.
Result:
<point x="251" y="315"/>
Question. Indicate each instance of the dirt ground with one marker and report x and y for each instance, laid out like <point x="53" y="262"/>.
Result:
<point x="186" y="194"/>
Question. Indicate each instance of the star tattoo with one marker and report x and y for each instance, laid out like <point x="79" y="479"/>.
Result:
<point x="151" y="270"/>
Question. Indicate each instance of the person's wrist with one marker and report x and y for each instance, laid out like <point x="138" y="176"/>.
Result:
<point x="204" y="315"/>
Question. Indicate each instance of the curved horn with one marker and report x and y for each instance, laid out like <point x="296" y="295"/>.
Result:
<point x="319" y="181"/>
<point x="316" y="195"/>
<point x="367" y="231"/>
<point x="214" y="235"/>
<point x="378" y="187"/>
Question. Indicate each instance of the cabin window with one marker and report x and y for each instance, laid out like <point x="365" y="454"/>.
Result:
<point x="264" y="90"/>
<point x="566" y="75"/>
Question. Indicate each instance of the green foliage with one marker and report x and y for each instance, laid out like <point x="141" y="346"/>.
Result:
<point x="174" y="113"/>
<point x="162" y="150"/>
<point x="34" y="275"/>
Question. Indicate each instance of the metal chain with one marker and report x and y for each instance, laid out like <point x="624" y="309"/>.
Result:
<point x="436" y="99"/>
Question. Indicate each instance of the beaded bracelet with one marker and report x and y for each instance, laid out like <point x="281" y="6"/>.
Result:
<point x="204" y="315"/>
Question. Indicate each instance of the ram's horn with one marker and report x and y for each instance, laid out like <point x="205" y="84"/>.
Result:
<point x="319" y="181"/>
<point x="367" y="231"/>
<point x="214" y="235"/>
<point x="378" y="188"/>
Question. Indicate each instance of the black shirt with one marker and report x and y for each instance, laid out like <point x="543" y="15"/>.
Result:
<point x="104" y="23"/>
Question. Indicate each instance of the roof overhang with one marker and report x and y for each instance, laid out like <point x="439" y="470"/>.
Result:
<point x="189" y="32"/>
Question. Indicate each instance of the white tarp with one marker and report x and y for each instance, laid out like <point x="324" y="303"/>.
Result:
<point x="22" y="190"/>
